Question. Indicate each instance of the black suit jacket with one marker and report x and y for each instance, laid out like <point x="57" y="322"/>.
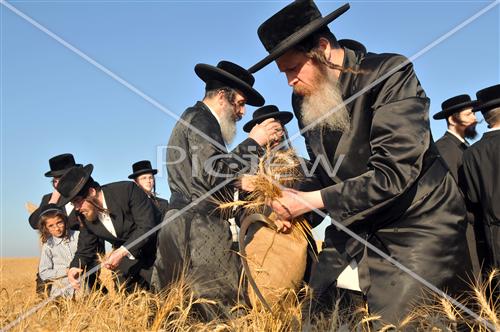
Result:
<point x="452" y="150"/>
<point x="73" y="221"/>
<point x="132" y="214"/>
<point x="481" y="173"/>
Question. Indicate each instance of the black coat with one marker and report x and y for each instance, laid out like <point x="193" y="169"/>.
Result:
<point x="391" y="188"/>
<point x="451" y="150"/>
<point x="195" y="167"/>
<point x="73" y="221"/>
<point x="481" y="173"/>
<point x="133" y="215"/>
<point x="160" y="204"/>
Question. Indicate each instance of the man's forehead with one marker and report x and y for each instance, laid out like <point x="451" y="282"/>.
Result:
<point x="466" y="111"/>
<point x="240" y="96"/>
<point x="289" y="59"/>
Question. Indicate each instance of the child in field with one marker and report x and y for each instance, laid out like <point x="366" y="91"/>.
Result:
<point x="59" y="244"/>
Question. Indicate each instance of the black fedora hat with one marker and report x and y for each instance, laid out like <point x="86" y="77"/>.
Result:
<point x="488" y="98"/>
<point x="267" y="112"/>
<point x="60" y="164"/>
<point x="73" y="181"/>
<point x="454" y="105"/>
<point x="230" y="74"/>
<point x="290" y="26"/>
<point x="142" y="167"/>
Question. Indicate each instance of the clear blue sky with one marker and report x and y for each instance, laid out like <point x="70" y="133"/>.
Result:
<point x="53" y="101"/>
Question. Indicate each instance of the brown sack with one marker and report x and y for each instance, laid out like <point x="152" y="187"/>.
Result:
<point x="277" y="262"/>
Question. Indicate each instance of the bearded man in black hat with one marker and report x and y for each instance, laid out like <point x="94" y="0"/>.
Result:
<point x="58" y="166"/>
<point x="392" y="188"/>
<point x="198" y="240"/>
<point x="481" y="165"/>
<point x="459" y="113"/>
<point x="120" y="213"/>
<point x="144" y="175"/>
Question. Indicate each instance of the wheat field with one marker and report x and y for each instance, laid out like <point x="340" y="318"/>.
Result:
<point x="173" y="310"/>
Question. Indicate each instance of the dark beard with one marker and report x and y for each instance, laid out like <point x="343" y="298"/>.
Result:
<point x="470" y="132"/>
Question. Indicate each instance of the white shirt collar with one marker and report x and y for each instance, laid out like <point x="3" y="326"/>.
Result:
<point x="458" y="136"/>
<point x="493" y="129"/>
<point x="214" y="114"/>
<point x="105" y="218"/>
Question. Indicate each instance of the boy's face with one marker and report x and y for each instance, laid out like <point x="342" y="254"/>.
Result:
<point x="55" y="226"/>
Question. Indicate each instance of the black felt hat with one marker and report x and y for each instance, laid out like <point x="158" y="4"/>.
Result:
<point x="142" y="167"/>
<point x="60" y="164"/>
<point x="231" y="75"/>
<point x="73" y="181"/>
<point x="488" y="98"/>
<point x="454" y="105"/>
<point x="267" y="112"/>
<point x="290" y="26"/>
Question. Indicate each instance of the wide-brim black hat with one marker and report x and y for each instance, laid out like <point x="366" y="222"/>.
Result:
<point x="488" y="98"/>
<point x="72" y="182"/>
<point x="231" y="75"/>
<point x="142" y="167"/>
<point x="453" y="105"/>
<point x="267" y="112"/>
<point x="60" y="164"/>
<point x="290" y="26"/>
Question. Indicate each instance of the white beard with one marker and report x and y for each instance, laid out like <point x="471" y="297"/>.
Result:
<point x="324" y="107"/>
<point x="228" y="125"/>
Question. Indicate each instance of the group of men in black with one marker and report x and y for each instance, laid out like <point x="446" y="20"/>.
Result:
<point x="363" y="115"/>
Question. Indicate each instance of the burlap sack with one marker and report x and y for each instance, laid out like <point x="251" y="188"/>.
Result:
<point x="277" y="262"/>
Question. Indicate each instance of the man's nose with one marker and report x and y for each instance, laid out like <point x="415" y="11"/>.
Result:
<point x="292" y="79"/>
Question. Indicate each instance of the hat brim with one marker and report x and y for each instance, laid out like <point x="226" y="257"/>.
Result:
<point x="141" y="172"/>
<point x="454" y="109"/>
<point x="53" y="174"/>
<point x="489" y="105"/>
<point x="283" y="117"/>
<point x="297" y="37"/>
<point x="66" y="199"/>
<point x="207" y="73"/>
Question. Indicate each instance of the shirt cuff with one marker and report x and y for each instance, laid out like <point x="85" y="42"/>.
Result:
<point x="129" y="255"/>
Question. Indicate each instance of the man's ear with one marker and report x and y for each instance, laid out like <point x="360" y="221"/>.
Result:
<point x="451" y="120"/>
<point x="92" y="192"/>
<point x="326" y="47"/>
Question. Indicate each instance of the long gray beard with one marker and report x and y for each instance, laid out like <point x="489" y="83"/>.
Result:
<point x="228" y="126"/>
<point x="325" y="107"/>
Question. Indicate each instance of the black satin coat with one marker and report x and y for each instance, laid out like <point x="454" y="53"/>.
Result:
<point x="198" y="239"/>
<point x="481" y="165"/>
<point x="391" y="188"/>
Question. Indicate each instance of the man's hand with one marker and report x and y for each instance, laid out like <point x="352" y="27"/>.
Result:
<point x="74" y="276"/>
<point x="115" y="258"/>
<point x="295" y="203"/>
<point x="267" y="131"/>
<point x="246" y="182"/>
<point x="283" y="226"/>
